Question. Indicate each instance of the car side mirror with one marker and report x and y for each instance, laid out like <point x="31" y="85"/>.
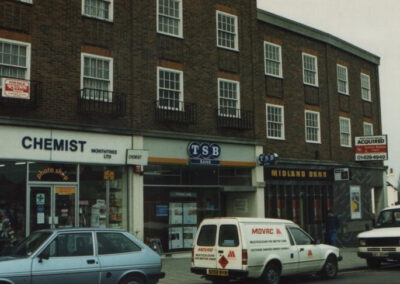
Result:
<point x="44" y="255"/>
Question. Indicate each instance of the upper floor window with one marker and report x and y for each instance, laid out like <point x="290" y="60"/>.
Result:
<point x="169" y="17"/>
<point x="345" y="132"/>
<point x="310" y="69"/>
<point x="101" y="9"/>
<point x="170" y="88"/>
<point x="97" y="74"/>
<point x="273" y="59"/>
<point x="342" y="80"/>
<point x="228" y="98"/>
<point x="227" y="31"/>
<point x="365" y="87"/>
<point x="313" y="131"/>
<point x="26" y="1"/>
<point x="14" y="59"/>
<point x="368" y="129"/>
<point x="275" y="122"/>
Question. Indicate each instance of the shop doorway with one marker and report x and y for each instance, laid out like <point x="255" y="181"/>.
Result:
<point x="51" y="206"/>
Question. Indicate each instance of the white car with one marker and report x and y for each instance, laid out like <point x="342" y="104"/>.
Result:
<point x="258" y="248"/>
<point x="382" y="244"/>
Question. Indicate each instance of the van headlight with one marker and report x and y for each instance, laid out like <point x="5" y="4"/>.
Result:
<point x="362" y="243"/>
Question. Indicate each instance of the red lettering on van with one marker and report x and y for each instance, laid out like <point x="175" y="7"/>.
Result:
<point x="205" y="249"/>
<point x="261" y="231"/>
<point x="278" y="232"/>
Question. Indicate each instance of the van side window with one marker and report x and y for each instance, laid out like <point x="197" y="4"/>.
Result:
<point x="207" y="236"/>
<point x="290" y="237"/>
<point x="300" y="237"/>
<point x="228" y="236"/>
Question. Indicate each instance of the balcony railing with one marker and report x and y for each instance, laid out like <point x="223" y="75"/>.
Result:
<point x="234" y="118"/>
<point x="93" y="101"/>
<point x="175" y="111"/>
<point x="22" y="97"/>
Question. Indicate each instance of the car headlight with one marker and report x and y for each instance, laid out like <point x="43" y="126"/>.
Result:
<point x="362" y="243"/>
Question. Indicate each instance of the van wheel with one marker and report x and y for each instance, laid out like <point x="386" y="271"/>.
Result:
<point x="271" y="274"/>
<point x="373" y="263"/>
<point x="330" y="269"/>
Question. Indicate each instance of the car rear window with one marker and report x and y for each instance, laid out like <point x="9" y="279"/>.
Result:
<point x="207" y="236"/>
<point x="111" y="243"/>
<point x="228" y="236"/>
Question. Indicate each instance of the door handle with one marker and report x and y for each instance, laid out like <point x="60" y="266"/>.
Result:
<point x="90" y="261"/>
<point x="302" y="249"/>
<point x="220" y="251"/>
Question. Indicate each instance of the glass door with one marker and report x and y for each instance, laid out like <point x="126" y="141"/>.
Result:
<point x="40" y="208"/>
<point x="64" y="213"/>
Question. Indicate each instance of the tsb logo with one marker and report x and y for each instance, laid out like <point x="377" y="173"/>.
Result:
<point x="204" y="150"/>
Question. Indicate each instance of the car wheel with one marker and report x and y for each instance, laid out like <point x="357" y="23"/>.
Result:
<point x="271" y="274"/>
<point x="373" y="263"/>
<point x="134" y="279"/>
<point x="330" y="269"/>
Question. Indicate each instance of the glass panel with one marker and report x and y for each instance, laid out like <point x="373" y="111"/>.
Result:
<point x="40" y="211"/>
<point x="207" y="235"/>
<point x="65" y="206"/>
<point x="300" y="237"/>
<point x="111" y="243"/>
<point x="228" y="236"/>
<point x="78" y="244"/>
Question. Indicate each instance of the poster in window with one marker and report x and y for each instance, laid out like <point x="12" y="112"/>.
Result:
<point x="355" y="202"/>
<point x="188" y="236"/>
<point x="190" y="213"/>
<point x="175" y="237"/>
<point x="175" y="213"/>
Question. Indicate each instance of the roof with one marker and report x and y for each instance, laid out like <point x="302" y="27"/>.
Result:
<point x="82" y="230"/>
<point x="310" y="32"/>
<point x="254" y="220"/>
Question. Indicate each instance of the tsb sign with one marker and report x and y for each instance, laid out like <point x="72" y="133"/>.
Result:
<point x="200" y="151"/>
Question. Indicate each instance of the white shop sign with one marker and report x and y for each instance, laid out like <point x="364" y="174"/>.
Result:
<point x="137" y="157"/>
<point x="62" y="146"/>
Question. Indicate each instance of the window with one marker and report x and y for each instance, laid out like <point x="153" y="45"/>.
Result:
<point x="345" y="132"/>
<point x="228" y="236"/>
<point x="228" y="98"/>
<point x="313" y="131"/>
<point x="300" y="237"/>
<point x="342" y="82"/>
<point x="112" y="243"/>
<point x="97" y="74"/>
<point x="26" y="1"/>
<point x="207" y="236"/>
<point x="275" y="122"/>
<point x="273" y="59"/>
<point x="14" y="59"/>
<point x="169" y="18"/>
<point x="310" y="70"/>
<point x="78" y="244"/>
<point x="170" y="89"/>
<point x="368" y="129"/>
<point x="101" y="9"/>
<point x="227" y="31"/>
<point x="365" y="87"/>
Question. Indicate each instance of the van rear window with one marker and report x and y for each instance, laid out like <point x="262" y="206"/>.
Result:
<point x="207" y="236"/>
<point x="228" y="236"/>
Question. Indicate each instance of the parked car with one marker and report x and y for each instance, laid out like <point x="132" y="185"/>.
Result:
<point x="381" y="244"/>
<point x="258" y="248"/>
<point x="76" y="256"/>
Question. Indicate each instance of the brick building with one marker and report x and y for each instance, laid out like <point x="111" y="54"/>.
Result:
<point x="151" y="115"/>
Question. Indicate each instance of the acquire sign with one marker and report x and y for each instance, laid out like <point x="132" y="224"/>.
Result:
<point x="371" y="148"/>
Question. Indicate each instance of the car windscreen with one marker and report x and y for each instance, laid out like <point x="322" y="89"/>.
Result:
<point x="207" y="236"/>
<point x="30" y="244"/>
<point x="389" y="218"/>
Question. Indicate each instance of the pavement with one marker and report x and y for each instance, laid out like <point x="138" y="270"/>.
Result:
<point x="177" y="266"/>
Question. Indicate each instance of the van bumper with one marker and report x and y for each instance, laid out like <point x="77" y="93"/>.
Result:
<point x="390" y="255"/>
<point x="232" y="272"/>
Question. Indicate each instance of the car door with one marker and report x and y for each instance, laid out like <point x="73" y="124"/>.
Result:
<point x="310" y="255"/>
<point x="68" y="259"/>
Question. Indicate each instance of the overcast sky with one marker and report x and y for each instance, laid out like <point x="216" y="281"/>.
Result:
<point x="373" y="25"/>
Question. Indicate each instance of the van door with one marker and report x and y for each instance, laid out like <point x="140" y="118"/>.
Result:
<point x="229" y="249"/>
<point x="205" y="250"/>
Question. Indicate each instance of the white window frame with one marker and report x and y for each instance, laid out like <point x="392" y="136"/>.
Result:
<point x="25" y="1"/>
<point x="341" y="118"/>
<point x="236" y="48"/>
<point x="370" y="125"/>
<point x="180" y="27"/>
<point x="282" y="123"/>
<point x="110" y="11"/>
<point x="181" y="90"/>
<point x="237" y="99"/>
<point x="303" y="55"/>
<point x="369" y="87"/>
<point x="346" y="80"/>
<point x="280" y="75"/>
<point x="318" y="141"/>
<point x="28" y="55"/>
<point x="111" y="72"/>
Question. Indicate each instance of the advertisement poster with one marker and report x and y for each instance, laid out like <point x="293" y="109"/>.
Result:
<point x="175" y="238"/>
<point x="355" y="202"/>
<point x="190" y="213"/>
<point x="175" y="213"/>
<point x="188" y="236"/>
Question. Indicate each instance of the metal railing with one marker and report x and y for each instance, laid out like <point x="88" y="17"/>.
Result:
<point x="175" y="111"/>
<point x="25" y="102"/>
<point x="94" y="101"/>
<point x="234" y="118"/>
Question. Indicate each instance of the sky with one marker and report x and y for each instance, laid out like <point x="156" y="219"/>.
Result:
<point x="373" y="25"/>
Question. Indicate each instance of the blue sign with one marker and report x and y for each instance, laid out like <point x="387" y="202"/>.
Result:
<point x="162" y="210"/>
<point x="204" y="153"/>
<point x="40" y="208"/>
<point x="266" y="159"/>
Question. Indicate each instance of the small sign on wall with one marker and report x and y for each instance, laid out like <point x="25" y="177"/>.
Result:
<point x="355" y="202"/>
<point x="241" y="205"/>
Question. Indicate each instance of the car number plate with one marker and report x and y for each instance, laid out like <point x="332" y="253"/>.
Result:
<point x="380" y="254"/>
<point x="218" y="272"/>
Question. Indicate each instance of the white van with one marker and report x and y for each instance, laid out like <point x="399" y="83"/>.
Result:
<point x="382" y="244"/>
<point x="258" y="248"/>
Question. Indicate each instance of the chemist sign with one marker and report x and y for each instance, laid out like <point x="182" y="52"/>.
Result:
<point x="371" y="148"/>
<point x="204" y="153"/>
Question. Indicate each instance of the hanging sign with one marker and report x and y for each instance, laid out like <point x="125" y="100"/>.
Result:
<point x="267" y="159"/>
<point x="15" y="88"/>
<point x="204" y="153"/>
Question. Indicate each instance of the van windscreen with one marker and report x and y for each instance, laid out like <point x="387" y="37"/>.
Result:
<point x="207" y="236"/>
<point x="228" y="236"/>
